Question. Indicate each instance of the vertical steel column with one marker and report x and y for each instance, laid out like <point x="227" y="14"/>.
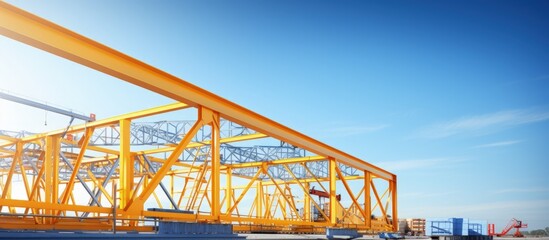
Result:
<point x="333" y="201"/>
<point x="172" y="185"/>
<point x="393" y="184"/>
<point x="216" y="165"/>
<point x="40" y="33"/>
<point x="229" y="190"/>
<point x="259" y="199"/>
<point x="8" y="196"/>
<point x="307" y="203"/>
<point x="51" y="167"/>
<point x="6" y="192"/>
<point x="136" y="204"/>
<point x="126" y="164"/>
<point x="367" y="199"/>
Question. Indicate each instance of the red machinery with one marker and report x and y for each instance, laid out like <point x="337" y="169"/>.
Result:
<point x="323" y="194"/>
<point x="514" y="223"/>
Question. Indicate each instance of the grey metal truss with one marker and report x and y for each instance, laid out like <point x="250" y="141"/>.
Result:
<point x="171" y="133"/>
<point x="163" y="133"/>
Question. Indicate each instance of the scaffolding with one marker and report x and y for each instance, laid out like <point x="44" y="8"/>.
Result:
<point x="228" y="165"/>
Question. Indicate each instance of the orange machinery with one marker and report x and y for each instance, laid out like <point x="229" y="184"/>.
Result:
<point x="514" y="223"/>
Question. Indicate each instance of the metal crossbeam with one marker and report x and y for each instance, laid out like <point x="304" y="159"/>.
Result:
<point x="40" y="33"/>
<point x="122" y="164"/>
<point x="169" y="132"/>
<point x="13" y="98"/>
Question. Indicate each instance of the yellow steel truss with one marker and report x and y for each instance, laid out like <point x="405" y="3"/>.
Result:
<point x="131" y="194"/>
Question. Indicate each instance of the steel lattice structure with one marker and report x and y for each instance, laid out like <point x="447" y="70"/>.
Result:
<point x="119" y="172"/>
<point x="170" y="132"/>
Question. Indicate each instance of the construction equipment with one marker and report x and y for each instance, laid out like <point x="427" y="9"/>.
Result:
<point x="28" y="102"/>
<point x="325" y="206"/>
<point x="323" y="194"/>
<point x="76" y="185"/>
<point x="513" y="223"/>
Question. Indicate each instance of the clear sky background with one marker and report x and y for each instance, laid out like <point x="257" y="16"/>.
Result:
<point x="452" y="96"/>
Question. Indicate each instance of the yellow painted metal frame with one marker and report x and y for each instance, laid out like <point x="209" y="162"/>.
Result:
<point x="50" y="203"/>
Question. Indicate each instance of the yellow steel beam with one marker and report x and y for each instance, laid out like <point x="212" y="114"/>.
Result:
<point x="98" y="184"/>
<point x="19" y="149"/>
<point x="276" y="162"/>
<point x="393" y="184"/>
<point x="51" y="161"/>
<point x="197" y="185"/>
<point x="385" y="193"/>
<point x="198" y="144"/>
<point x="293" y="201"/>
<point x="115" y="153"/>
<point x="379" y="201"/>
<point x="72" y="226"/>
<point x="314" y="179"/>
<point x="107" y="121"/>
<point x="38" y="32"/>
<point x="127" y="164"/>
<point x="107" y="158"/>
<point x="78" y="162"/>
<point x="103" y="150"/>
<point x="216" y="164"/>
<point x="306" y="202"/>
<point x="6" y="188"/>
<point x="136" y="204"/>
<point x="258" y="197"/>
<point x="277" y="187"/>
<point x="333" y="201"/>
<point x="305" y="188"/>
<point x="52" y="206"/>
<point x="5" y="144"/>
<point x="350" y="192"/>
<point x="35" y="189"/>
<point x="270" y="222"/>
<point x="243" y="193"/>
<point x="9" y="139"/>
<point x="367" y="198"/>
<point x="228" y="190"/>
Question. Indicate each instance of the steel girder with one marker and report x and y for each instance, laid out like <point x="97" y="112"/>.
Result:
<point x="40" y="33"/>
<point x="195" y="185"/>
<point x="164" y="133"/>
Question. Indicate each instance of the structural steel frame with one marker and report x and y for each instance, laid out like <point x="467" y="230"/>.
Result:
<point x="73" y="180"/>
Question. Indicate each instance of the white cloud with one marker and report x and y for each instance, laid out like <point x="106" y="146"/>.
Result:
<point x="520" y="190"/>
<point x="491" y="121"/>
<point x="498" y="144"/>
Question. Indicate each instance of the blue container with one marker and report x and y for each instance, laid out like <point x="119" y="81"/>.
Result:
<point x="439" y="227"/>
<point x="447" y="227"/>
<point x="478" y="228"/>
<point x="455" y="227"/>
<point x="461" y="226"/>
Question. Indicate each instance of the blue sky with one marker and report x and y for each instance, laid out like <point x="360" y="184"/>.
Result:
<point x="452" y="96"/>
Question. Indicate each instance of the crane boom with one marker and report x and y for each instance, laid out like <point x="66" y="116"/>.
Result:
<point x="31" y="103"/>
<point x="513" y="223"/>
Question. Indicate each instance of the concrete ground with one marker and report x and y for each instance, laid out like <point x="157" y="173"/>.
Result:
<point x="524" y="238"/>
<point x="366" y="237"/>
<point x="298" y="237"/>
